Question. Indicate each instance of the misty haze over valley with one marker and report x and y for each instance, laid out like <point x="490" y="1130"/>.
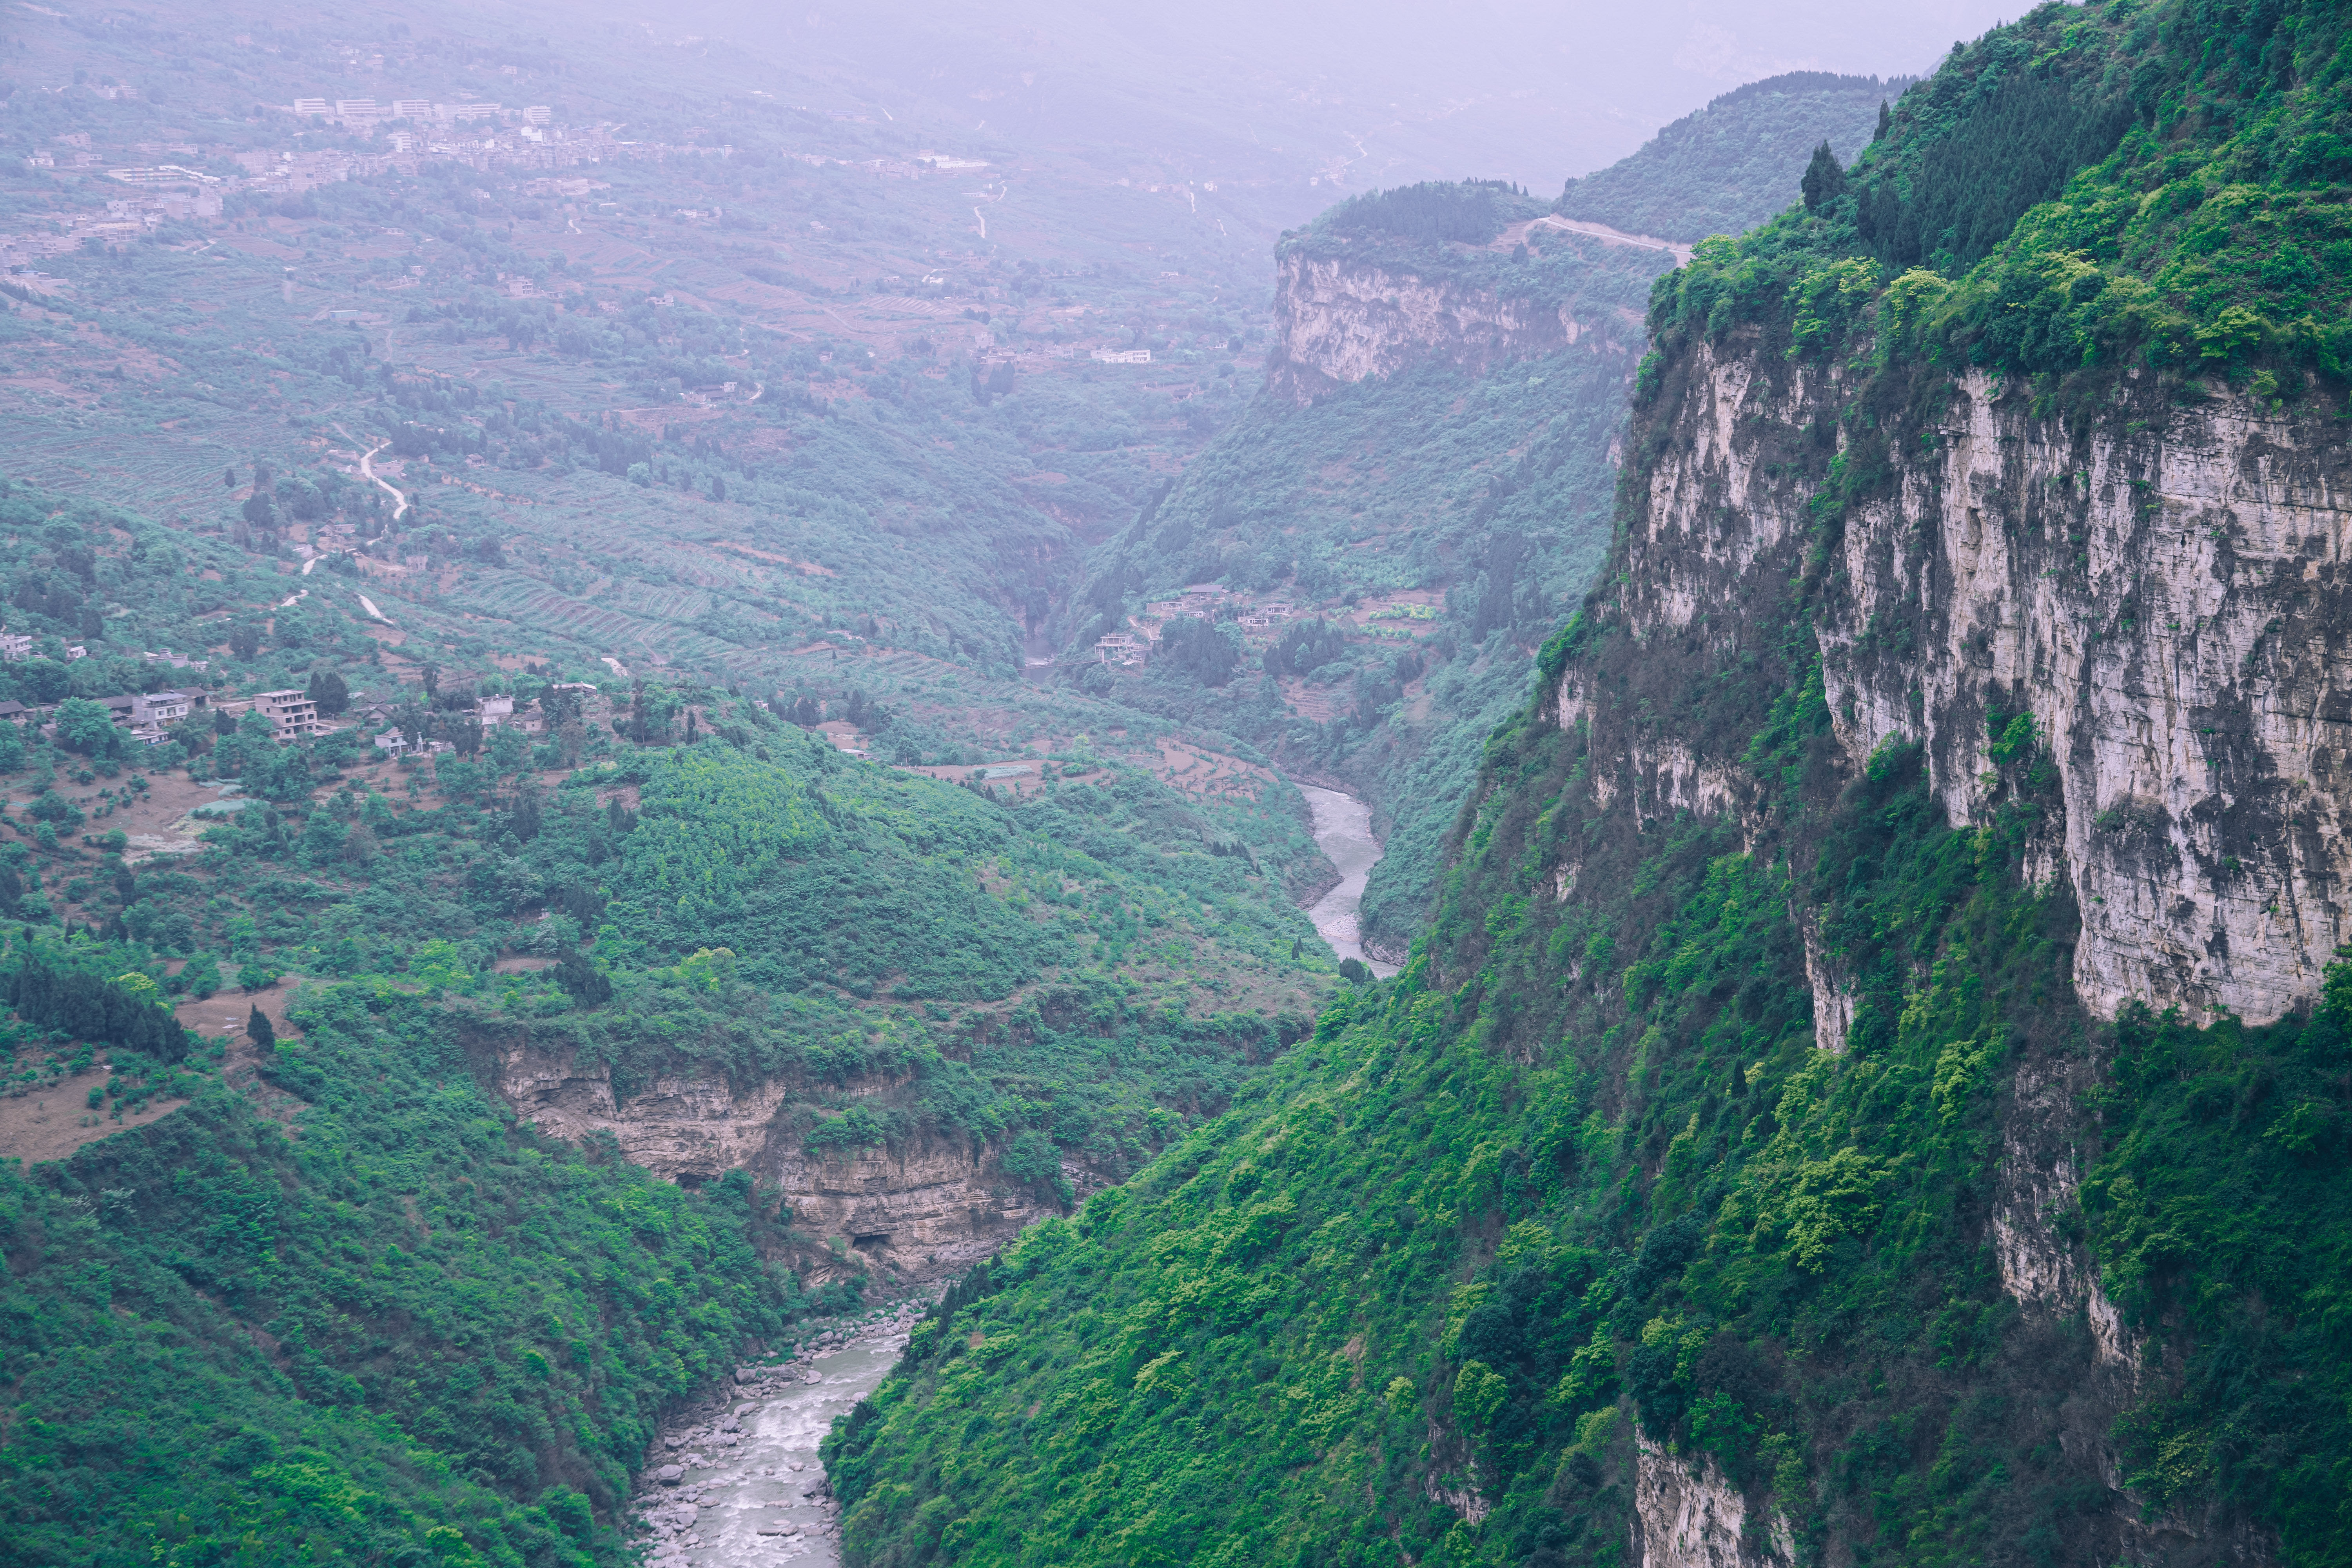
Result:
<point x="1048" y="783"/>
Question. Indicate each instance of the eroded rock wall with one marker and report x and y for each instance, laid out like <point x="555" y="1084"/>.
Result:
<point x="930" y="1209"/>
<point x="1342" y="320"/>
<point x="2162" y="587"/>
<point x="1688" y="1515"/>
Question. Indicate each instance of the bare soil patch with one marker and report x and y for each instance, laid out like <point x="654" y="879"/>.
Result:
<point x="52" y="1123"/>
<point x="224" y="1012"/>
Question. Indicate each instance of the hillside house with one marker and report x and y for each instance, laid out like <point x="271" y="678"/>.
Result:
<point x="1118" y="647"/>
<point x="500" y="713"/>
<point x="145" y="714"/>
<point x="291" y="714"/>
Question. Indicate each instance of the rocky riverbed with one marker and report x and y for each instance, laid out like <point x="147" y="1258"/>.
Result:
<point x="736" y="1480"/>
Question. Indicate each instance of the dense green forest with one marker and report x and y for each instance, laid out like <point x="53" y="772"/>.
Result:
<point x="1736" y="163"/>
<point x="2089" y="189"/>
<point x="1579" y="1187"/>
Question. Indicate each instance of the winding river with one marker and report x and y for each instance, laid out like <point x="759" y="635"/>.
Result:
<point x="738" y="1478"/>
<point x="1343" y="827"/>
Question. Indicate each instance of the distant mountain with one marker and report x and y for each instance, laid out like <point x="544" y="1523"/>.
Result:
<point x="1737" y="162"/>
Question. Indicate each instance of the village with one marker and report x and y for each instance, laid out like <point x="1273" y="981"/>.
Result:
<point x="398" y="728"/>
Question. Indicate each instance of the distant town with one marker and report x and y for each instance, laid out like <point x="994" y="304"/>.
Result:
<point x="410" y="131"/>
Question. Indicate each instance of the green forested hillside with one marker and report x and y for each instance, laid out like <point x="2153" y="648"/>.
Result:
<point x="1736" y="163"/>
<point x="356" y="1304"/>
<point x="2092" y="188"/>
<point x="1581" y="1179"/>
<point x="1578" y="1181"/>
<point x="389" y="1326"/>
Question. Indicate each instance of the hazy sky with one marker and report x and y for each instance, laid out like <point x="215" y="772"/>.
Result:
<point x="1528" y="91"/>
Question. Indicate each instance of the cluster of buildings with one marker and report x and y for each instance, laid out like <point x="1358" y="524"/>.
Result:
<point x="17" y="646"/>
<point x="148" y="715"/>
<point x="1259" y="622"/>
<point x="490" y="712"/>
<point x="415" y="125"/>
<point x="366" y="114"/>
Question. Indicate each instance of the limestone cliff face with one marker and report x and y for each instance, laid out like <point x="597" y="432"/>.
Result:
<point x="927" y="1210"/>
<point x="2162" y="587"/>
<point x="2159" y="584"/>
<point x="1689" y="1515"/>
<point x="1341" y="320"/>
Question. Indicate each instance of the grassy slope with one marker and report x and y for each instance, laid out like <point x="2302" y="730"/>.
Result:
<point x="1579" y="1171"/>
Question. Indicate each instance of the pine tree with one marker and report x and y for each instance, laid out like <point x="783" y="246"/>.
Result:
<point x="257" y="1030"/>
<point x="1885" y="122"/>
<point x="1824" y="179"/>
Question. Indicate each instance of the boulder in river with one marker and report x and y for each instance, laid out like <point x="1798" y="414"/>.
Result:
<point x="670" y="1475"/>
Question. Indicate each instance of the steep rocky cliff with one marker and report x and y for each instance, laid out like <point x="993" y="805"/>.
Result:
<point x="2110" y="636"/>
<point x="1341" y="318"/>
<point x="2156" y="588"/>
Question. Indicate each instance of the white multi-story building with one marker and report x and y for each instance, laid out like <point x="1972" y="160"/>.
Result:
<point x="291" y="713"/>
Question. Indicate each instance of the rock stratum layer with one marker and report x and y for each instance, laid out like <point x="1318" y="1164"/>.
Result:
<point x="2160" y="587"/>
<point x="930" y="1209"/>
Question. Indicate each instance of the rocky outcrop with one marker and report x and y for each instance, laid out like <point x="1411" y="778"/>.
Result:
<point x="1343" y="319"/>
<point x="1690" y="1516"/>
<point x="2042" y="1266"/>
<point x="926" y="1210"/>
<point x="2160" y="587"/>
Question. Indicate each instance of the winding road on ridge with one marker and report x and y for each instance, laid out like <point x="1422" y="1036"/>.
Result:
<point x="368" y="473"/>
